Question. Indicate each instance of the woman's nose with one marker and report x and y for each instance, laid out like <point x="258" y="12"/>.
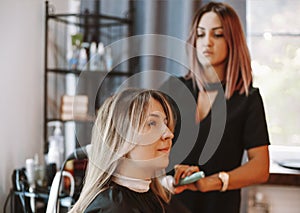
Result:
<point x="208" y="40"/>
<point x="168" y="134"/>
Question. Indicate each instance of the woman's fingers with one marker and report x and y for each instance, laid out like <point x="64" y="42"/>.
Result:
<point x="191" y="186"/>
<point x="182" y="171"/>
<point x="179" y="171"/>
<point x="180" y="189"/>
<point x="191" y="170"/>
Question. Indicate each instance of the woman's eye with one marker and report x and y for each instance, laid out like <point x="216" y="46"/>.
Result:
<point x="200" y="32"/>
<point x="219" y="35"/>
<point x="200" y="35"/>
<point x="152" y="123"/>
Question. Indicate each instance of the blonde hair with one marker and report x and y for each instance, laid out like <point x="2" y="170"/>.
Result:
<point x="116" y="121"/>
<point x="238" y="75"/>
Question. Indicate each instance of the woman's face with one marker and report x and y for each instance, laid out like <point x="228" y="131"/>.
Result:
<point x="210" y="42"/>
<point x="155" y="140"/>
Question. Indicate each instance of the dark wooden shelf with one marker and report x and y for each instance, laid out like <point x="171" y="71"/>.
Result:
<point x="106" y="20"/>
<point x="88" y="119"/>
<point x="78" y="72"/>
<point x="284" y="179"/>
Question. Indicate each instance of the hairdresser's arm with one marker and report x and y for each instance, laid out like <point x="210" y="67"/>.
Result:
<point x="255" y="171"/>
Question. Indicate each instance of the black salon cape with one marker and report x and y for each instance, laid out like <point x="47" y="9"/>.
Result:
<point x="119" y="199"/>
<point x="245" y="128"/>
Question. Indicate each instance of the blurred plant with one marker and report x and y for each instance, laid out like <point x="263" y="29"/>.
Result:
<point x="77" y="40"/>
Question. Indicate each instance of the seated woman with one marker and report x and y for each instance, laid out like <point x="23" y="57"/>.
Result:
<point x="131" y="141"/>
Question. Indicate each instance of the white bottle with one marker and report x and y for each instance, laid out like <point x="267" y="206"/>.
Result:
<point x="54" y="153"/>
<point x="82" y="59"/>
<point x="93" y="57"/>
<point x="56" y="145"/>
<point x="101" y="63"/>
<point x="30" y="173"/>
<point x="108" y="59"/>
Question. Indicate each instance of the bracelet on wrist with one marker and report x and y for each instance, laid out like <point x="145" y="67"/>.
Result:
<point x="224" y="177"/>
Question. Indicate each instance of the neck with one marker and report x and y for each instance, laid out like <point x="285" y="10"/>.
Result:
<point x="137" y="169"/>
<point x="135" y="175"/>
<point x="216" y="73"/>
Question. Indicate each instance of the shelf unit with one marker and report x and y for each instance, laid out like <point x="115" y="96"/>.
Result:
<point x="86" y="24"/>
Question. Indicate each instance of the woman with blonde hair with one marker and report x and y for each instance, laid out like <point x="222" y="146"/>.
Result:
<point x="131" y="141"/>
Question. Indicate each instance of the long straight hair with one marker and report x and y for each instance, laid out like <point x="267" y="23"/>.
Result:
<point x="238" y="74"/>
<point x="117" y="120"/>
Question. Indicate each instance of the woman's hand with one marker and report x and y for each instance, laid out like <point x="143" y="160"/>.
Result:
<point x="182" y="171"/>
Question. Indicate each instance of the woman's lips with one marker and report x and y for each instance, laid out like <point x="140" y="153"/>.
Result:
<point x="207" y="52"/>
<point x="165" y="149"/>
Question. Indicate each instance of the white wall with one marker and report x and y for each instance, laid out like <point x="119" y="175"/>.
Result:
<point x="21" y="85"/>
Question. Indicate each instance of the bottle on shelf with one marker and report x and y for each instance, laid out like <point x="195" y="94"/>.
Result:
<point x="74" y="60"/>
<point x="98" y="58"/>
<point x="93" y="56"/>
<point x="82" y="59"/>
<point x="56" y="145"/>
<point x="101" y="60"/>
<point x="108" y="59"/>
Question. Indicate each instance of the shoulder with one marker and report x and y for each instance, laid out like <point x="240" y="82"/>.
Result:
<point x="178" y="86"/>
<point x="255" y="128"/>
<point x="119" y="199"/>
<point x="252" y="96"/>
<point x="187" y="81"/>
<point x="110" y="200"/>
<point x="254" y="91"/>
<point x="246" y="103"/>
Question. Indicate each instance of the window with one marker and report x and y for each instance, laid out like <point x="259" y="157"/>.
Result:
<point x="273" y="32"/>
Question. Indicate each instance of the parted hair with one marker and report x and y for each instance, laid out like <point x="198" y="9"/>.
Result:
<point x="238" y="74"/>
<point x="117" y="120"/>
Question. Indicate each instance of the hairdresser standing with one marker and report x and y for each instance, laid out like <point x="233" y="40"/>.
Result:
<point x="217" y="35"/>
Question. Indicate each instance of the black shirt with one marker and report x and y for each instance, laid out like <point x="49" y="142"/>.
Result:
<point x="244" y="128"/>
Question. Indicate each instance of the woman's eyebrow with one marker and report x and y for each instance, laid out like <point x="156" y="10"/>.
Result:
<point x="214" y="28"/>
<point x="156" y="115"/>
